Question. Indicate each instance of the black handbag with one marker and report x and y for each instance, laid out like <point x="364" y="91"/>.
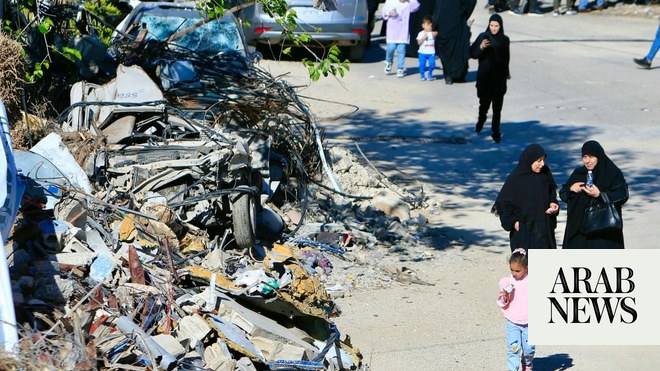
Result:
<point x="601" y="217"/>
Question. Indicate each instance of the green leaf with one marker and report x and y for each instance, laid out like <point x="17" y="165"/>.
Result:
<point x="287" y="50"/>
<point x="44" y="27"/>
<point x="71" y="54"/>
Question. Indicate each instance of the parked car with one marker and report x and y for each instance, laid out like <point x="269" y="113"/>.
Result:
<point x="347" y="26"/>
<point x="163" y="19"/>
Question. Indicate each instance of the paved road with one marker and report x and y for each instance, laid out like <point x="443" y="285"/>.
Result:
<point x="573" y="80"/>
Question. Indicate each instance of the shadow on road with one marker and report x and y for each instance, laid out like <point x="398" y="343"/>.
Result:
<point x="555" y="362"/>
<point x="458" y="162"/>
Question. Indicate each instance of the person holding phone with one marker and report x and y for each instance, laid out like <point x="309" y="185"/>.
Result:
<point x="527" y="204"/>
<point x="491" y="48"/>
<point x="607" y="178"/>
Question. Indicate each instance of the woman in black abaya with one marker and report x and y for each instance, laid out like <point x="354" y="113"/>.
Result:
<point x="608" y="179"/>
<point x="491" y="48"/>
<point x="527" y="204"/>
<point x="453" y="43"/>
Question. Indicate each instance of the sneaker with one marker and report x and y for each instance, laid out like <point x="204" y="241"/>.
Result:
<point x="642" y="62"/>
<point x="399" y="73"/>
<point x="556" y="13"/>
<point x="570" y="12"/>
<point x="422" y="78"/>
<point x="388" y="68"/>
<point x="430" y="78"/>
<point x="515" y="11"/>
<point x="536" y="13"/>
<point x="585" y="10"/>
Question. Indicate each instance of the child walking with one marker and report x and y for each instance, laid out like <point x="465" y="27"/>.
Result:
<point x="426" y="53"/>
<point x="513" y="301"/>
<point x="397" y="15"/>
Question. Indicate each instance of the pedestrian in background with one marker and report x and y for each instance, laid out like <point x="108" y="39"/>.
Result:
<point x="607" y="178"/>
<point x="450" y="19"/>
<point x="646" y="61"/>
<point x="397" y="15"/>
<point x="491" y="48"/>
<point x="513" y="301"/>
<point x="527" y="204"/>
<point x="425" y="8"/>
<point x="426" y="52"/>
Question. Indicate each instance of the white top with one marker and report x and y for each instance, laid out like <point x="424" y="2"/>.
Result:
<point x="428" y="46"/>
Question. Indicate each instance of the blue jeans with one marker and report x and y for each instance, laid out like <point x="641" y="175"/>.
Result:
<point x="400" y="54"/>
<point x="655" y="46"/>
<point x="515" y="336"/>
<point x="584" y="3"/>
<point x="423" y="58"/>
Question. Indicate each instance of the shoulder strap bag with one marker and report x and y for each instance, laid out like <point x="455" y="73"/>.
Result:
<point x="600" y="217"/>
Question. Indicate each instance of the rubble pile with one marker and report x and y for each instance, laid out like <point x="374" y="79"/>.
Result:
<point x="161" y="236"/>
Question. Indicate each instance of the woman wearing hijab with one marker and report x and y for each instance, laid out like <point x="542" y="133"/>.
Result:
<point x="453" y="43"/>
<point x="527" y="204"/>
<point x="491" y="48"/>
<point x="608" y="179"/>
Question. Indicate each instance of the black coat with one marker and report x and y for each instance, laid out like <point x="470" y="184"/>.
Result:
<point x="453" y="42"/>
<point x="524" y="198"/>
<point x="493" y="70"/>
<point x="609" y="179"/>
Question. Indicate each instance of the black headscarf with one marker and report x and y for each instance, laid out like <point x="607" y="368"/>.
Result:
<point x="606" y="172"/>
<point x="607" y="177"/>
<point x="526" y="196"/>
<point x="499" y="36"/>
<point x="493" y="69"/>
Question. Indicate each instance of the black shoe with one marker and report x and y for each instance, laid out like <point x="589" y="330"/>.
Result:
<point x="479" y="127"/>
<point x="643" y="62"/>
<point x="449" y="80"/>
<point x="497" y="138"/>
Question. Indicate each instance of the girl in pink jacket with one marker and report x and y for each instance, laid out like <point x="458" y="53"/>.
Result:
<point x="513" y="301"/>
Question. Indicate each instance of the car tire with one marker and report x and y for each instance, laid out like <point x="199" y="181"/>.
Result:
<point x="356" y="52"/>
<point x="244" y="220"/>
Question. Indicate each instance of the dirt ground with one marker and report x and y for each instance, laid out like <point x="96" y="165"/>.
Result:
<point x="573" y="80"/>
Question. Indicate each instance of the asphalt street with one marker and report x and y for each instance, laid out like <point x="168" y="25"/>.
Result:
<point x="573" y="79"/>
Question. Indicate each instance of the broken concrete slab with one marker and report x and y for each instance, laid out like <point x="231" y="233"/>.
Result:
<point x="218" y="357"/>
<point x="170" y="344"/>
<point x="257" y="325"/>
<point x="192" y="329"/>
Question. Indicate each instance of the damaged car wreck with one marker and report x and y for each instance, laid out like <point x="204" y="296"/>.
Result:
<point x="147" y="236"/>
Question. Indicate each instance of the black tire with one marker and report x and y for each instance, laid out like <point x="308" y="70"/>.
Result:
<point x="244" y="220"/>
<point x="356" y="52"/>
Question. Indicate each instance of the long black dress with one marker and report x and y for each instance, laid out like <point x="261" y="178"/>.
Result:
<point x="524" y="198"/>
<point x="609" y="179"/>
<point x="492" y="74"/>
<point x="453" y="43"/>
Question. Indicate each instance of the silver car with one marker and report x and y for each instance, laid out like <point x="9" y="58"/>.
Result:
<point x="347" y="26"/>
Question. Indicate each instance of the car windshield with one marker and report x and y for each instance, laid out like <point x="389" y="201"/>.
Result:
<point x="214" y="37"/>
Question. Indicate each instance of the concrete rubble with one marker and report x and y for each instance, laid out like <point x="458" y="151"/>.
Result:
<point x="150" y="238"/>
